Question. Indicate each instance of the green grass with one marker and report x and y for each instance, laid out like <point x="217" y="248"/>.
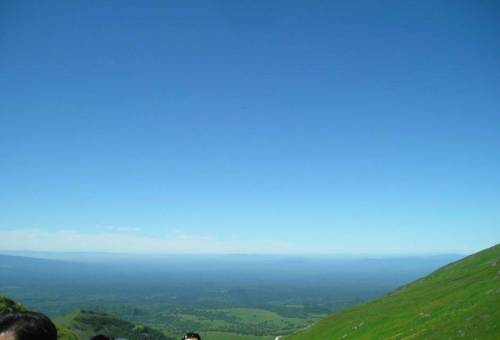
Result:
<point x="9" y="304"/>
<point x="240" y="323"/>
<point x="214" y="324"/>
<point x="255" y="316"/>
<point x="233" y="336"/>
<point x="65" y="334"/>
<point x="85" y="324"/>
<point x="6" y="303"/>
<point x="458" y="301"/>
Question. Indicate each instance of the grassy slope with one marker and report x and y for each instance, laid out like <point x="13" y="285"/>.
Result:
<point x="84" y="324"/>
<point x="248" y="321"/>
<point x="6" y="303"/>
<point x="232" y="336"/>
<point x="87" y="323"/>
<point x="460" y="300"/>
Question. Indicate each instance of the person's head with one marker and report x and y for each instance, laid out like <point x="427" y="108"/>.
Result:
<point x="100" y="337"/>
<point x="26" y="326"/>
<point x="191" y="336"/>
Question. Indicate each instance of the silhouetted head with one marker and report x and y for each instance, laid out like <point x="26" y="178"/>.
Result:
<point x="192" y="336"/>
<point x="26" y="326"/>
<point x="100" y="337"/>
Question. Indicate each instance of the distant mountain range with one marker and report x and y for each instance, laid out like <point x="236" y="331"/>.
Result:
<point x="458" y="301"/>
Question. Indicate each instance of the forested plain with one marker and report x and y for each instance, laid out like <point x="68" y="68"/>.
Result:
<point x="234" y="297"/>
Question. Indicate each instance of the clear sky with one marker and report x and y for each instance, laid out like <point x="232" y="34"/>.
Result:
<point x="250" y="126"/>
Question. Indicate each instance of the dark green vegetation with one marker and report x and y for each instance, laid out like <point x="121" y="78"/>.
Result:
<point x="85" y="324"/>
<point x="222" y="297"/>
<point x="9" y="304"/>
<point x="460" y="300"/>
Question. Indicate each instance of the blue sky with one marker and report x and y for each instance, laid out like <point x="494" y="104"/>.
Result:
<point x="250" y="126"/>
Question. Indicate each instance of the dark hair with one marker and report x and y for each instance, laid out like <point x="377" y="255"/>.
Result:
<point x="191" y="336"/>
<point x="28" y="326"/>
<point x="100" y="337"/>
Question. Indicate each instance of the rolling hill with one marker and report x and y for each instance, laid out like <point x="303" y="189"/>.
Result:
<point x="9" y="304"/>
<point x="6" y="303"/>
<point x="460" y="300"/>
<point x="84" y="324"/>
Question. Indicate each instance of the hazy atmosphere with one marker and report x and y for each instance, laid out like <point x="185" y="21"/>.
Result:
<point x="267" y="127"/>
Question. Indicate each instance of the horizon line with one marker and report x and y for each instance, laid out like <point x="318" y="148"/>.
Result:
<point x="306" y="254"/>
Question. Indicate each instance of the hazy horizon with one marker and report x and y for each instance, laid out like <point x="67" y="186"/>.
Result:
<point x="57" y="254"/>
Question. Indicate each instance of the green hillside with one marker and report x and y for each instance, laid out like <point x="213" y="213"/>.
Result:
<point x="6" y="303"/>
<point x="9" y="304"/>
<point x="87" y="323"/>
<point x="458" y="301"/>
<point x="84" y="324"/>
